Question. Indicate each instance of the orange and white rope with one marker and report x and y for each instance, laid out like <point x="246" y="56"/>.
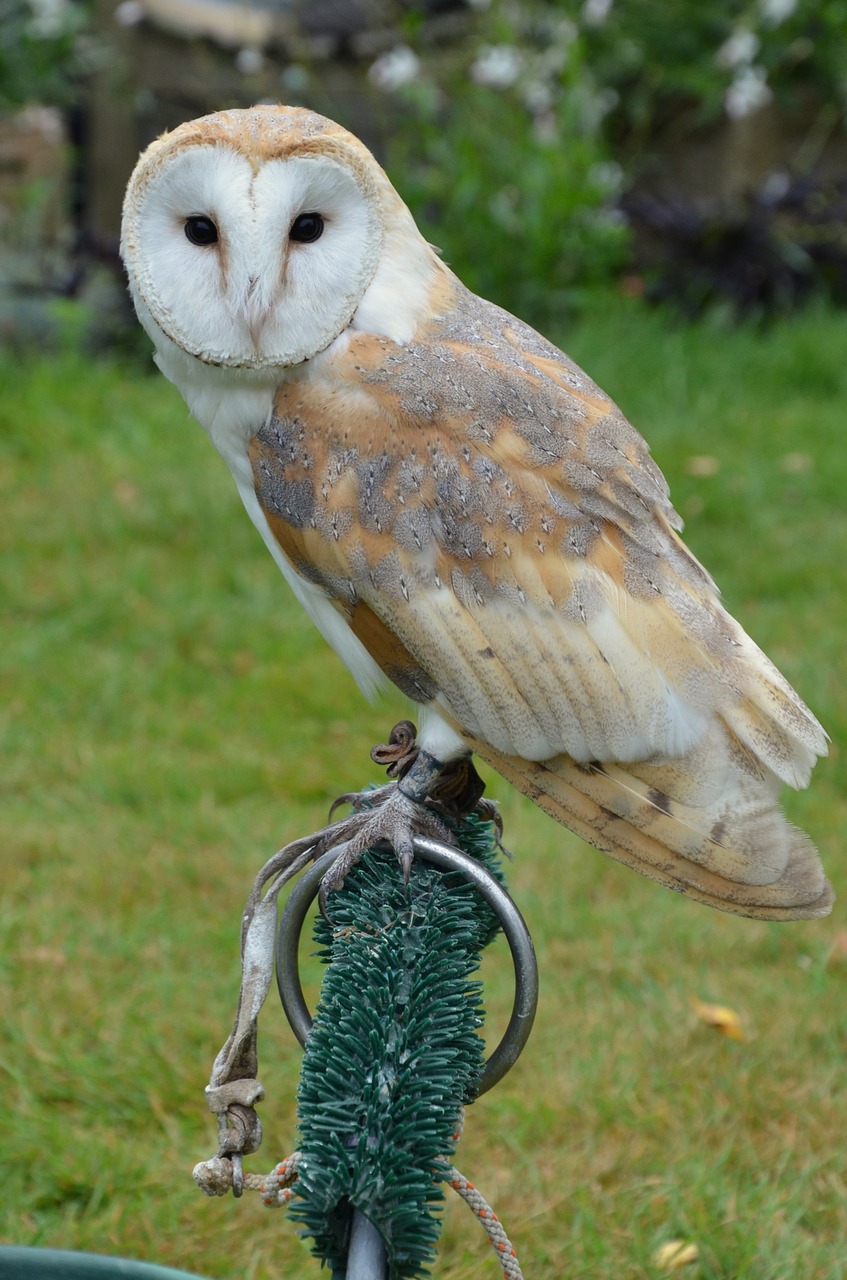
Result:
<point x="491" y="1224"/>
<point x="214" y="1178"/>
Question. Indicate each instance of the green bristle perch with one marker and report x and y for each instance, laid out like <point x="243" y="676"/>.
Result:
<point x="393" y="1054"/>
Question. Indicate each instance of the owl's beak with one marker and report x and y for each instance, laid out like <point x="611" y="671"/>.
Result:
<point x="256" y="310"/>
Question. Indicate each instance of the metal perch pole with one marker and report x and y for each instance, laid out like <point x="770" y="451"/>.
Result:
<point x="366" y="1257"/>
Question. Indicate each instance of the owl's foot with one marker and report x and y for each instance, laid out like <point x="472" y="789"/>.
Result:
<point x="454" y="788"/>
<point x="426" y="797"/>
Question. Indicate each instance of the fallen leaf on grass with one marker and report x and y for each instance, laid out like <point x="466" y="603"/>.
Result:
<point x="675" y="1254"/>
<point x="796" y="463"/>
<point x="837" y="953"/>
<point x="720" y="1017"/>
<point x="126" y="493"/>
<point x="632" y="286"/>
<point x="43" y="955"/>
<point x="701" y="464"/>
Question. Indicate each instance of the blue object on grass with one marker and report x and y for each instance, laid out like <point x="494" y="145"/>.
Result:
<point x="64" y="1264"/>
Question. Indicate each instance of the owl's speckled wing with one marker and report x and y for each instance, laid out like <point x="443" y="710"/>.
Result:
<point x="498" y="537"/>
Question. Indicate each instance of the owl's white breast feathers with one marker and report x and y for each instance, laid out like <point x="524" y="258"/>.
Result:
<point x="232" y="410"/>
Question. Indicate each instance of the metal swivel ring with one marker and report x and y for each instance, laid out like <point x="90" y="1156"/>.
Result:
<point x="446" y="858"/>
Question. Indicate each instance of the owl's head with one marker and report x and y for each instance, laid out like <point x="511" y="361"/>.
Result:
<point x="251" y="237"/>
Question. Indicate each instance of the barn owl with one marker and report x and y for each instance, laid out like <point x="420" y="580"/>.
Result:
<point x="462" y="511"/>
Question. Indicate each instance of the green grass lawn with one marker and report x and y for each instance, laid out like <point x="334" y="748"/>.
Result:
<point x="169" y="718"/>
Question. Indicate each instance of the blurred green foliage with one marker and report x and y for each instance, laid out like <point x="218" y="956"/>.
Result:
<point x="499" y="149"/>
<point x="515" y="144"/>
<point x="46" y="49"/>
<point x="518" y="130"/>
<point x="523" y="222"/>
<point x="718" y="57"/>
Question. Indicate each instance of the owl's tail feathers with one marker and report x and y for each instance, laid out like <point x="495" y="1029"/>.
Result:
<point x="708" y="825"/>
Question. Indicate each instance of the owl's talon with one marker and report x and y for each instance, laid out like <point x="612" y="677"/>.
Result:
<point x="427" y="798"/>
<point x="395" y="822"/>
<point x="487" y="811"/>
<point x="325" y="889"/>
<point x="406" y="857"/>
<point x="360" y="801"/>
<point x="349" y="797"/>
<point x="334" y="879"/>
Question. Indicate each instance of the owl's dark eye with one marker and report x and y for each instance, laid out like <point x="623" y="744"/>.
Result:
<point x="200" y="230"/>
<point x="307" y="228"/>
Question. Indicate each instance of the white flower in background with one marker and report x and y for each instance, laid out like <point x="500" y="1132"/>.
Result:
<point x="44" y="120"/>
<point x="393" y="70"/>
<point x="748" y="92"/>
<point x="776" y="11"/>
<point x="537" y="97"/>
<point x="565" y="32"/>
<point x="553" y="59"/>
<point x="295" y="78"/>
<point x="49" y="17"/>
<point x="607" y="100"/>
<point x="776" y="186"/>
<point x="545" y="128"/>
<point x="595" y="12"/>
<point x="130" y="13"/>
<point x="249" y="61"/>
<point x="595" y="105"/>
<point x="609" y="218"/>
<point x="497" y="67"/>
<point x="739" y="50"/>
<point x="607" y="175"/>
<point x="505" y="209"/>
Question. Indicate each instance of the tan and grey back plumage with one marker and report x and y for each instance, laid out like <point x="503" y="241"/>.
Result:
<point x="457" y="503"/>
